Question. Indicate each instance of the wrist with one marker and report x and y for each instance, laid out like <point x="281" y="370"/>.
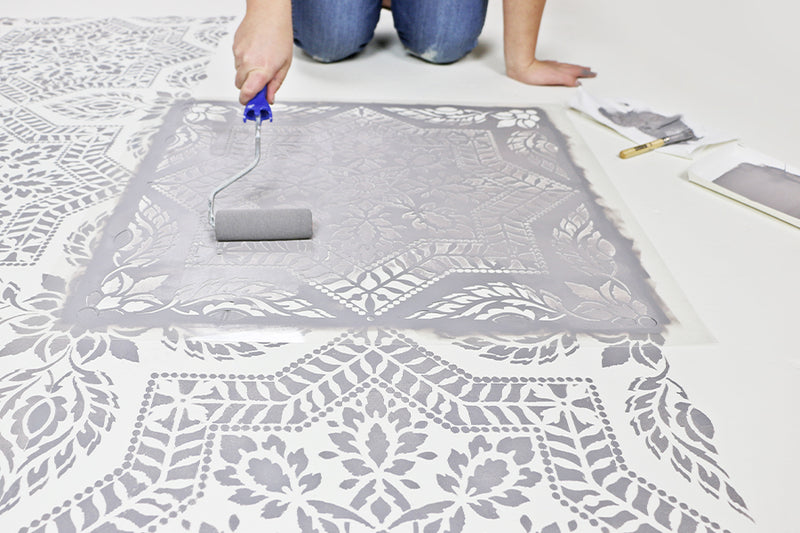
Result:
<point x="276" y="9"/>
<point x="516" y="66"/>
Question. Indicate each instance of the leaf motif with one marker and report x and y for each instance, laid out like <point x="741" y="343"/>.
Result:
<point x="310" y="482"/>
<point x="485" y="508"/>
<point x="378" y="444"/>
<point x="447" y="483"/>
<point x="510" y="498"/>
<point x="432" y="527"/>
<point x="492" y="301"/>
<point x="487" y="476"/>
<point x="124" y="349"/>
<point x="583" y="247"/>
<point x="152" y="234"/>
<point x="523" y="350"/>
<point x="18" y="345"/>
<point x="457" y="522"/>
<point x="273" y="509"/>
<point x="245" y="496"/>
<point x="457" y="461"/>
<point x="675" y="430"/>
<point x="338" y="512"/>
<point x="615" y="355"/>
<point x="442" y="115"/>
<point x="423" y="513"/>
<point x="645" y="350"/>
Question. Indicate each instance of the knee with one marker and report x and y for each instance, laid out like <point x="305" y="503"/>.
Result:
<point x="442" y="39"/>
<point x="441" y="51"/>
<point x="332" y="34"/>
<point x="330" y="48"/>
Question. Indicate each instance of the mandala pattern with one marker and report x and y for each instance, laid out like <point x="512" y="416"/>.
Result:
<point x="461" y="270"/>
<point x="371" y="433"/>
<point x="425" y="218"/>
<point x="61" y="71"/>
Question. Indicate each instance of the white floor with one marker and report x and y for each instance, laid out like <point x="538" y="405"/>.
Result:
<point x="730" y="65"/>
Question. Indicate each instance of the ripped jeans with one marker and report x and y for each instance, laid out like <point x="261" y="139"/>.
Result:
<point x="438" y="31"/>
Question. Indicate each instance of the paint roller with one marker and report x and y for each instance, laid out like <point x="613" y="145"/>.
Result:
<point x="257" y="224"/>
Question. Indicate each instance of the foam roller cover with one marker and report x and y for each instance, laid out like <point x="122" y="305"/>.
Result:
<point x="262" y="224"/>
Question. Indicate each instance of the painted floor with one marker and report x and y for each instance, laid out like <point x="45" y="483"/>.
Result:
<point x="497" y="324"/>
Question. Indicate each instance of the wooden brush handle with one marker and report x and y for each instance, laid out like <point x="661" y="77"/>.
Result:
<point x="641" y="149"/>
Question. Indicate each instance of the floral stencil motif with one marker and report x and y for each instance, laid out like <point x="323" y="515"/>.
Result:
<point x="443" y="115"/>
<point x="523" y="118"/>
<point x="49" y="171"/>
<point x="274" y="478"/>
<point x="482" y="218"/>
<point x="373" y="433"/>
<point x="480" y="481"/>
<point x="675" y="429"/>
<point x="455" y="232"/>
<point x="51" y="415"/>
<point x="378" y="456"/>
<point x="522" y="350"/>
<point x="67" y="55"/>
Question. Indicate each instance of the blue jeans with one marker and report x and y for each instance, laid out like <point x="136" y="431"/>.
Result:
<point x="438" y="31"/>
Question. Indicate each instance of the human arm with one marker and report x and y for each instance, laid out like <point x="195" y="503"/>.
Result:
<point x="262" y="48"/>
<point x="521" y="20"/>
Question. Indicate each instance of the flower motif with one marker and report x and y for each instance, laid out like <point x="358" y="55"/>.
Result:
<point x="531" y="141"/>
<point x="378" y="445"/>
<point x="268" y="474"/>
<point x="523" y="118"/>
<point x="612" y="301"/>
<point x="38" y="419"/>
<point x="26" y="176"/>
<point x="201" y="112"/>
<point x="179" y="401"/>
<point x="487" y="476"/>
<point x="434" y="217"/>
<point x="365" y="223"/>
<point x="442" y="114"/>
<point x="184" y="136"/>
<point x="558" y="405"/>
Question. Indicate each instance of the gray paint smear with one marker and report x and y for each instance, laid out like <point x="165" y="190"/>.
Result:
<point x="461" y="219"/>
<point x="769" y="186"/>
<point x="653" y="124"/>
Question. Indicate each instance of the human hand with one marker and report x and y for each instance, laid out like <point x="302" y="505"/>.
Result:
<point x="550" y="73"/>
<point x="262" y="49"/>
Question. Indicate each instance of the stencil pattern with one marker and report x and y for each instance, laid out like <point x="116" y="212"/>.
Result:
<point x="479" y="224"/>
<point x="461" y="219"/>
<point x="374" y="433"/>
<point x="58" y="72"/>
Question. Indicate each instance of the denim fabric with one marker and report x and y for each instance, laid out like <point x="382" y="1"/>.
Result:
<point x="439" y="31"/>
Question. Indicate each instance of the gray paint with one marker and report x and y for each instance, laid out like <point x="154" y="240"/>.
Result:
<point x="653" y="124"/>
<point x="460" y="219"/>
<point x="769" y="186"/>
<point x="69" y="393"/>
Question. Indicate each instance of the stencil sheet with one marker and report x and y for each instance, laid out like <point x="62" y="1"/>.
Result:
<point x="461" y="219"/>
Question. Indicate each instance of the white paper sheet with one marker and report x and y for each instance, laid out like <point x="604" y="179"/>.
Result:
<point x="640" y="123"/>
<point x="752" y="178"/>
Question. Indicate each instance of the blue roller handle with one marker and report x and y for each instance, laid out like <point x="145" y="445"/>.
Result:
<point x="258" y="108"/>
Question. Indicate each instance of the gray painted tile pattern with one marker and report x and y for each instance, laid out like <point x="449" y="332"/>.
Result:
<point x="509" y="417"/>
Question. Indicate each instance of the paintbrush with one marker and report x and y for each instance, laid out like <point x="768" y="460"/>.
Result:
<point x="684" y="135"/>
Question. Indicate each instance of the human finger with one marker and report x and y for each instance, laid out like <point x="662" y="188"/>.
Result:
<point x="254" y="81"/>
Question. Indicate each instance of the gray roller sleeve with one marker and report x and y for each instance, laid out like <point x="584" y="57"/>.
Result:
<point x="262" y="224"/>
